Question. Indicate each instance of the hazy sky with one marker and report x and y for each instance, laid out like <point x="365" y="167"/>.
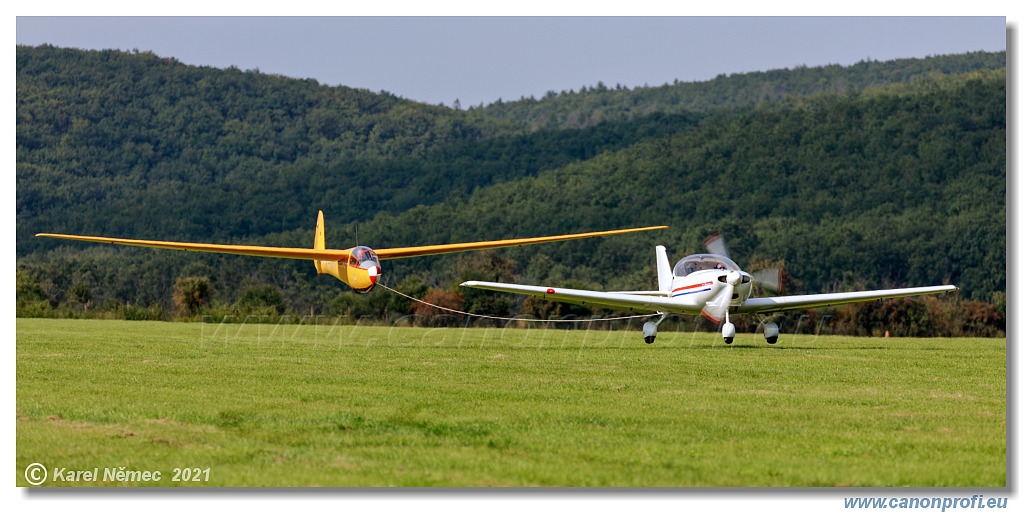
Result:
<point x="481" y="59"/>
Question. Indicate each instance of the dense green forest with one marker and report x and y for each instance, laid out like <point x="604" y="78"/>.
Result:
<point x="877" y="174"/>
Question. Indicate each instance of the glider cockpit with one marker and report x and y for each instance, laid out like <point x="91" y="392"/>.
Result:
<point x="364" y="268"/>
<point x="363" y="257"/>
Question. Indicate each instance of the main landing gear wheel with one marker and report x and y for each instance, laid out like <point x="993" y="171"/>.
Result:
<point x="771" y="332"/>
<point x="651" y="329"/>
<point x="728" y="341"/>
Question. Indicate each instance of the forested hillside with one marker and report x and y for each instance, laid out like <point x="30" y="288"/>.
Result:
<point x="878" y="174"/>
<point x="601" y="103"/>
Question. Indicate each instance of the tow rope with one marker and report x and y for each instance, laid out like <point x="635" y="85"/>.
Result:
<point x="510" y="319"/>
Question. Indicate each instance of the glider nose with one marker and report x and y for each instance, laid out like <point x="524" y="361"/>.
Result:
<point x="374" y="273"/>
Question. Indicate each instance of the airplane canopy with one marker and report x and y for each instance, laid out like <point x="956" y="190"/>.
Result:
<point x="363" y="257"/>
<point x="697" y="262"/>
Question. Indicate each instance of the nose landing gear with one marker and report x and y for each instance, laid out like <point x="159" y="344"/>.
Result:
<point x="728" y="330"/>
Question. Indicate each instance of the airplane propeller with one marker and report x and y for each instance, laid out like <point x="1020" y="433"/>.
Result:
<point x="715" y="244"/>
<point x="768" y="278"/>
<point x="718" y="308"/>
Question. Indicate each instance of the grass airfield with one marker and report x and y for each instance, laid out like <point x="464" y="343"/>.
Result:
<point x="352" y="406"/>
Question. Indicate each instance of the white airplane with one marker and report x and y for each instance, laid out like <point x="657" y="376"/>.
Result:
<point x="708" y="284"/>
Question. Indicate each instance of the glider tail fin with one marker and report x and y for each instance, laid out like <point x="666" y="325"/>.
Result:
<point x="664" y="270"/>
<point x="318" y="241"/>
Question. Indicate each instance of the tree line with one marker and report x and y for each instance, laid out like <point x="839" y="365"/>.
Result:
<point x="884" y="174"/>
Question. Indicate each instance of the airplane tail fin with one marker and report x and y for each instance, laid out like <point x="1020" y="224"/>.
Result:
<point x="318" y="240"/>
<point x="664" y="270"/>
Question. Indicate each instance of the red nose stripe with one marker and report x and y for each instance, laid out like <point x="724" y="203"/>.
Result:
<point x="709" y="317"/>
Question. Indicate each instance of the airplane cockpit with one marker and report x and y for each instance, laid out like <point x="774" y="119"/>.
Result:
<point x="697" y="262"/>
<point x="363" y="257"/>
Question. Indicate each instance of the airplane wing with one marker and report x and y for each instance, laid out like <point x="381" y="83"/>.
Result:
<point x="773" y="304"/>
<point x="407" y="252"/>
<point x="613" y="300"/>
<point x="662" y="304"/>
<point x="298" y="253"/>
<point x="302" y="253"/>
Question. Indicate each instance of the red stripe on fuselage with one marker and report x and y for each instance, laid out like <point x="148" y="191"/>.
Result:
<point x="709" y="283"/>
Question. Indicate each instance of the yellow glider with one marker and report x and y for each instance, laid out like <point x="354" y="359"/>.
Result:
<point x="358" y="267"/>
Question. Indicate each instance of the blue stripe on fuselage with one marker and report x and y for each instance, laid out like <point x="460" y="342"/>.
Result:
<point x="695" y="291"/>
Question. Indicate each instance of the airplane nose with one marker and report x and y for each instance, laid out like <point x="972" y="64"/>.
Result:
<point x="733" y="278"/>
<point x="374" y="273"/>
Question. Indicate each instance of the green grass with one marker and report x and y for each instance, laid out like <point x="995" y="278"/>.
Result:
<point x="374" y="406"/>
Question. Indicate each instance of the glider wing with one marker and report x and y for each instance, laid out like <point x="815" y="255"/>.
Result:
<point x="298" y="253"/>
<point x="408" y="252"/>
<point x="303" y="253"/>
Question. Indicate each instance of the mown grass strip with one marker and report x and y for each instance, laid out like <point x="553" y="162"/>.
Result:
<point x="346" y="406"/>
